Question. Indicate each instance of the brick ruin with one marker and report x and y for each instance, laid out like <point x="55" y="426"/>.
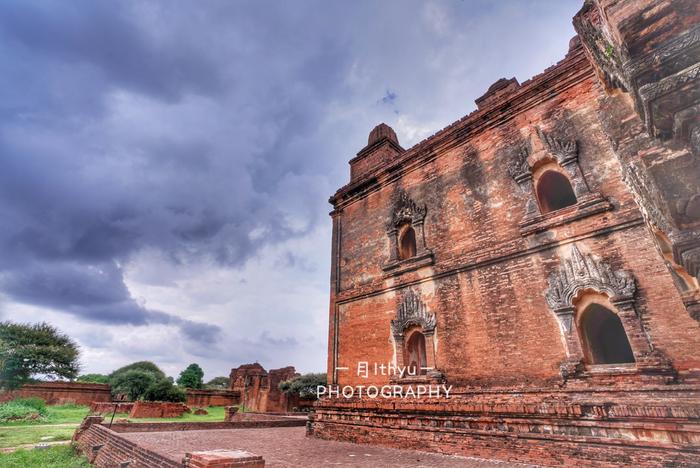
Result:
<point x="259" y="389"/>
<point x="540" y="255"/>
<point x="62" y="393"/>
<point x="205" y="397"/>
<point x="107" y="444"/>
<point x="158" y="409"/>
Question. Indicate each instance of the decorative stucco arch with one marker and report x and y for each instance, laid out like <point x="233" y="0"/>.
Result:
<point x="411" y="313"/>
<point x="580" y="273"/>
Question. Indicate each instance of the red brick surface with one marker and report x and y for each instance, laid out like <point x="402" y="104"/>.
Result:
<point x="158" y="409"/>
<point x="222" y="458"/>
<point x="259" y="389"/>
<point x="288" y="447"/>
<point x="518" y="392"/>
<point x="205" y="398"/>
<point x="109" y="407"/>
<point x="61" y="393"/>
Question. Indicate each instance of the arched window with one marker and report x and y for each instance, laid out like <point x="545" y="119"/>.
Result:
<point x="407" y="242"/>
<point x="604" y="337"/>
<point x="554" y="191"/>
<point x="415" y="354"/>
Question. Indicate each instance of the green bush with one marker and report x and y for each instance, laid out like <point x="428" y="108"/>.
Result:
<point x="30" y="350"/>
<point x="164" y="390"/>
<point x="93" y="378"/>
<point x="145" y="366"/>
<point x="17" y="410"/>
<point x="191" y="377"/>
<point x="304" y="385"/>
<point x="218" y="383"/>
<point x="34" y="402"/>
<point x="132" y="383"/>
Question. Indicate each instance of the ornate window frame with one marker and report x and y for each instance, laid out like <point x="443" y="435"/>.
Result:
<point x="585" y="272"/>
<point x="406" y="211"/>
<point x="564" y="153"/>
<point x="412" y="312"/>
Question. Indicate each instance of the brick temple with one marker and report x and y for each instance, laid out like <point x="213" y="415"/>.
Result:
<point x="540" y="256"/>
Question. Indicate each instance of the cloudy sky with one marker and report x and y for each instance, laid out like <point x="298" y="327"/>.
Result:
<point x="165" y="166"/>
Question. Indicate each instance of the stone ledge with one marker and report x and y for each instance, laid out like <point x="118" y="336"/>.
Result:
<point x="403" y="266"/>
<point x="586" y="207"/>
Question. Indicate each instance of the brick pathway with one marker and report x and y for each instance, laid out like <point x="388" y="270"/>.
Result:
<point x="285" y="447"/>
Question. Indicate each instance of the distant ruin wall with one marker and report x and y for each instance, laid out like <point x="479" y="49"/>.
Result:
<point x="259" y="389"/>
<point x="204" y="398"/>
<point x="61" y="393"/>
<point x="101" y="407"/>
<point x="158" y="409"/>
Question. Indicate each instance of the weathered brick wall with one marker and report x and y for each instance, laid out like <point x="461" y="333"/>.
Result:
<point x="646" y="56"/>
<point x="105" y="448"/>
<point x="204" y="398"/>
<point x="61" y="393"/>
<point x="109" y="407"/>
<point x="253" y="423"/>
<point x="488" y="269"/>
<point x="520" y="434"/>
<point x="158" y="409"/>
<point x="259" y="389"/>
<point x="488" y="281"/>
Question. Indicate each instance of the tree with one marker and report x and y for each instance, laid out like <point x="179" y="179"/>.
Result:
<point x="191" y="377"/>
<point x="164" y="390"/>
<point x="39" y="349"/>
<point x="93" y="378"/>
<point x="218" y="383"/>
<point x="133" y="383"/>
<point x="304" y="386"/>
<point x="146" y="366"/>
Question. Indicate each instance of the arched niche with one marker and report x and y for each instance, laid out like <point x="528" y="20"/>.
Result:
<point x="407" y="242"/>
<point x="584" y="284"/>
<point x="554" y="191"/>
<point x="406" y="233"/>
<point x="415" y="355"/>
<point x="602" y="334"/>
<point x="413" y="329"/>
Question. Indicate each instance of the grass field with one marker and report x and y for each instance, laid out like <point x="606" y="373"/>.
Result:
<point x="62" y="456"/>
<point x="14" y="436"/>
<point x="54" y="415"/>
<point x="17" y="433"/>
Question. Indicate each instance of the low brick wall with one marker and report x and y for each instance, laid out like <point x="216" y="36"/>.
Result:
<point x="102" y="407"/>
<point x="158" y="409"/>
<point x="202" y="426"/>
<point x="204" y="398"/>
<point x="616" y="428"/>
<point x="61" y="393"/>
<point x="105" y="448"/>
<point x="238" y="416"/>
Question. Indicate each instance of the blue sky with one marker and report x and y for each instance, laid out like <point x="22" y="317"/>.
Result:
<point x="165" y="167"/>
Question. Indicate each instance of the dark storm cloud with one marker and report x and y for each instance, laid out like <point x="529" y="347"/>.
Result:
<point x="104" y="37"/>
<point x="85" y="183"/>
<point x="93" y="292"/>
<point x="207" y="131"/>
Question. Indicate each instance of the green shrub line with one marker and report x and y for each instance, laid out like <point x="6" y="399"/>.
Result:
<point x="23" y="409"/>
